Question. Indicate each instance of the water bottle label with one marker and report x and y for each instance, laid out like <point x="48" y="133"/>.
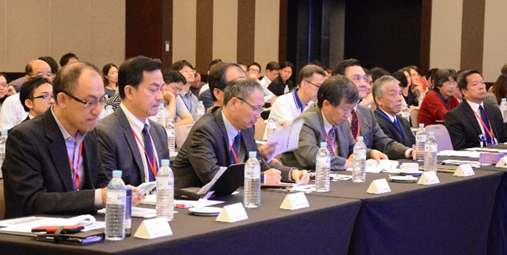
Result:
<point x="2" y="148"/>
<point x="323" y="162"/>
<point x="116" y="197"/>
<point x="421" y="138"/>
<point x="430" y="148"/>
<point x="162" y="182"/>
<point x="361" y="154"/>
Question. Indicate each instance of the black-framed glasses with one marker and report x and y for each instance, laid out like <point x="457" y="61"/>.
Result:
<point x="45" y="96"/>
<point x="255" y="109"/>
<point x="90" y="104"/>
<point x="318" y="86"/>
<point x="178" y="90"/>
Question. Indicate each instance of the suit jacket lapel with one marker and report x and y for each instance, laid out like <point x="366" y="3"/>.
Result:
<point x="131" y="141"/>
<point x="220" y="123"/>
<point x="469" y="113"/>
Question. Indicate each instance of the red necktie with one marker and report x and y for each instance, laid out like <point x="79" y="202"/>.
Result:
<point x="354" y="124"/>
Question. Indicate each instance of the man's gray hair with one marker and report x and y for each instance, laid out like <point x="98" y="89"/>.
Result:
<point x="379" y="87"/>
<point x="241" y="87"/>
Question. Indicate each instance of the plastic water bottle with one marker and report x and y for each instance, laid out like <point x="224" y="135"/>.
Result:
<point x="405" y="113"/>
<point x="3" y="139"/>
<point x="108" y="111"/>
<point x="421" y="98"/>
<point x="286" y="89"/>
<point x="200" y="110"/>
<point x="322" y="168"/>
<point x="272" y="125"/>
<point x="359" y="161"/>
<point x="165" y="191"/>
<point x="503" y="109"/>
<point x="420" y="140"/>
<point x="430" y="153"/>
<point x="161" y="114"/>
<point x="115" y="208"/>
<point x="252" y="186"/>
<point x="171" y="136"/>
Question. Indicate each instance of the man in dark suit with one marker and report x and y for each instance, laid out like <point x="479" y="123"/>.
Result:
<point x="128" y="140"/>
<point x="387" y="94"/>
<point x="52" y="163"/>
<point x="323" y="121"/>
<point x="471" y="119"/>
<point x="362" y="122"/>
<point x="224" y="136"/>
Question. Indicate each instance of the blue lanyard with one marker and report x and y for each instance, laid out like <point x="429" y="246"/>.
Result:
<point x="189" y="102"/>
<point x="397" y="125"/>
<point x="297" y="101"/>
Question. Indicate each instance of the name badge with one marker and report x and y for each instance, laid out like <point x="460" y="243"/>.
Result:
<point x="153" y="228"/>
<point x="232" y="213"/>
<point x="464" y="170"/>
<point x="379" y="186"/>
<point x="428" y="178"/>
<point x="502" y="163"/>
<point x="295" y="201"/>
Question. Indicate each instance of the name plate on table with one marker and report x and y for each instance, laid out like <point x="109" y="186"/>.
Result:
<point x="490" y="157"/>
<point x="428" y="178"/>
<point x="379" y="186"/>
<point x="232" y="213"/>
<point x="502" y="162"/>
<point x="464" y="170"/>
<point x="295" y="201"/>
<point x="153" y="228"/>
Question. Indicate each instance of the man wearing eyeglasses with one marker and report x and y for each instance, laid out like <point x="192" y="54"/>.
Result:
<point x="52" y="163"/>
<point x="289" y="106"/>
<point x="173" y="84"/>
<point x="36" y="96"/>
<point x="254" y="73"/>
<point x="13" y="112"/>
<point x="188" y="98"/>
<point x="128" y="139"/>
<point x="224" y="136"/>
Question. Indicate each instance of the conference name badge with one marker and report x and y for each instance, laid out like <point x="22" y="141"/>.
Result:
<point x="464" y="170"/>
<point x="153" y="228"/>
<point x="232" y="213"/>
<point x="295" y="201"/>
<point x="428" y="178"/>
<point x="379" y="186"/>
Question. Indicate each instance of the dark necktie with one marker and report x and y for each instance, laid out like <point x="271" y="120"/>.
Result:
<point x="150" y="158"/>
<point x="485" y="120"/>
<point x="332" y="139"/>
<point x="235" y="146"/>
<point x="354" y="125"/>
<point x="397" y="124"/>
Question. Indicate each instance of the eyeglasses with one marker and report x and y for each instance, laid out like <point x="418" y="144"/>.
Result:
<point x="45" y="96"/>
<point x="44" y="75"/>
<point x="318" y="86"/>
<point x="192" y="71"/>
<point x="178" y="90"/>
<point x="254" y="70"/>
<point x="255" y="109"/>
<point x="3" y="84"/>
<point x="90" y="104"/>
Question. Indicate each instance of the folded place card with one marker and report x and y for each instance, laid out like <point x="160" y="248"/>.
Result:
<point x="379" y="186"/>
<point x="295" y="201"/>
<point x="153" y="228"/>
<point x="464" y="170"/>
<point x="428" y="178"/>
<point x="232" y="213"/>
<point x="502" y="162"/>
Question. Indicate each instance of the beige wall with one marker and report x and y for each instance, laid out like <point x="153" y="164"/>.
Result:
<point x="495" y="39"/>
<point x="267" y="31"/>
<point x="184" y="30"/>
<point x="93" y="29"/>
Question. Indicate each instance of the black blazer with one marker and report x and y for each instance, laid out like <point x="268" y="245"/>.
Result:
<point x="392" y="131"/>
<point x="37" y="174"/>
<point x="277" y="86"/>
<point x="464" y="129"/>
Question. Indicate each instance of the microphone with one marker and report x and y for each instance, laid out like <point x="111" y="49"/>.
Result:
<point x="482" y="139"/>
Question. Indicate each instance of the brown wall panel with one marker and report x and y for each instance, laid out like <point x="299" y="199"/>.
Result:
<point x="424" y="63"/>
<point x="204" y="35"/>
<point x="143" y="28"/>
<point x="472" y="34"/>
<point x="246" y="31"/>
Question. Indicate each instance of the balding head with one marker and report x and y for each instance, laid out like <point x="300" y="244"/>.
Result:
<point x="40" y="68"/>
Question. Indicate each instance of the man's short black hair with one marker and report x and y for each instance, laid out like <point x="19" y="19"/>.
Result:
<point x="180" y="64"/>
<point x="51" y="62"/>
<point x="173" y="76"/>
<point x="217" y="78"/>
<point x="340" y="67"/>
<point x="336" y="89"/>
<point x="65" y="58"/>
<point x="29" y="87"/>
<point x="131" y="72"/>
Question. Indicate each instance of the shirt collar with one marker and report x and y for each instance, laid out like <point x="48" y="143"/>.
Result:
<point x="134" y="122"/>
<point x="66" y="136"/>
<point x="327" y="125"/>
<point x="392" y="118"/>
<point x="474" y="106"/>
<point x="266" y="78"/>
<point x="442" y="97"/>
<point x="232" y="132"/>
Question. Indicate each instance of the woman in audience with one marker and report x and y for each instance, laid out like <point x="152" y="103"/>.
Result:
<point x="441" y="99"/>
<point x="277" y="86"/>
<point x="110" y="73"/>
<point x="3" y="88"/>
<point x="497" y="91"/>
<point x="410" y="96"/>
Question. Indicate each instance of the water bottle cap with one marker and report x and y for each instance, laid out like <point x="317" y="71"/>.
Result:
<point x="503" y="99"/>
<point x="117" y="173"/>
<point x="200" y="102"/>
<point x="360" y="138"/>
<point x="431" y="133"/>
<point x="109" y="107"/>
<point x="421" y="125"/>
<point x="170" y="120"/>
<point x="323" y="144"/>
<point x="165" y="162"/>
<point x="4" y="132"/>
<point x="252" y="154"/>
<point x="405" y="105"/>
<point x="162" y="104"/>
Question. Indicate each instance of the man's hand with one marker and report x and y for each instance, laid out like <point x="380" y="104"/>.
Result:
<point x="350" y="161"/>
<point x="11" y="91"/>
<point x="300" y="176"/>
<point x="273" y="176"/>
<point x="276" y="162"/>
<point x="377" y="155"/>
<point x="103" y="192"/>
<point x="136" y="196"/>
<point x="168" y="96"/>
<point x="267" y="150"/>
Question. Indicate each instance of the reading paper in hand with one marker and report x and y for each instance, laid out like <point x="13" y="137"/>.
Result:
<point x="286" y="137"/>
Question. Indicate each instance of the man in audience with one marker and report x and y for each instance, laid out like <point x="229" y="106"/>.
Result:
<point x="254" y="73"/>
<point x="173" y="84"/>
<point x="205" y="93"/>
<point x="68" y="58"/>
<point x="224" y="136"/>
<point x="291" y="105"/>
<point x="13" y="112"/>
<point x="272" y="71"/>
<point x="52" y="165"/>
<point x="279" y="84"/>
<point x="472" y="121"/>
<point x="336" y="98"/>
<point x="190" y="101"/>
<point x="195" y="88"/>
<point x="387" y="93"/>
<point x="16" y="84"/>
<point x="36" y="96"/>
<point x="362" y="122"/>
<point x="218" y="78"/>
<point x="128" y="139"/>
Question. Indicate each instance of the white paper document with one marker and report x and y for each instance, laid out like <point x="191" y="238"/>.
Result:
<point x="23" y="226"/>
<point x="450" y="153"/>
<point x="286" y="137"/>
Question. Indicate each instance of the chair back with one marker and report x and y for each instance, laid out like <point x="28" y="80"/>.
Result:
<point x="413" y="117"/>
<point x="181" y="134"/>
<point x="260" y="127"/>
<point x="442" y="136"/>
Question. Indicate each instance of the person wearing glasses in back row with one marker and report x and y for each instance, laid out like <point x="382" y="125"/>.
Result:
<point x="224" y="136"/>
<point x="52" y="164"/>
<point x="36" y="95"/>
<point x="289" y="106"/>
